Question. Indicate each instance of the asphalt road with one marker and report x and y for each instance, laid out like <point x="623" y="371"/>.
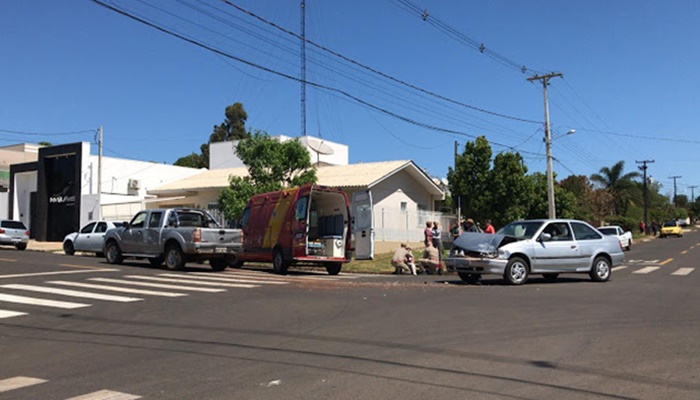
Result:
<point x="312" y="336"/>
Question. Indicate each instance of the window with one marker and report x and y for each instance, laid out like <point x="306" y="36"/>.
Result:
<point x="404" y="206"/>
<point x="559" y="230"/>
<point x="300" y="213"/>
<point x="154" y="221"/>
<point x="139" y="220"/>
<point x="101" y="227"/>
<point x="244" y="218"/>
<point x="88" y="228"/>
<point x="584" y="232"/>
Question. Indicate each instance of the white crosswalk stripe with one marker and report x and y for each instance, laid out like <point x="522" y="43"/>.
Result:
<point x="212" y="277"/>
<point x="118" y="289"/>
<point x="71" y="293"/>
<point x="643" y="261"/>
<point x="191" y="282"/>
<point x="646" y="270"/>
<point x="683" y="271"/>
<point x="158" y="285"/>
<point x="620" y="268"/>
<point x="286" y="277"/>
<point x="106" y="395"/>
<point x="18" y="382"/>
<point x="10" y="314"/>
<point x="40" y="302"/>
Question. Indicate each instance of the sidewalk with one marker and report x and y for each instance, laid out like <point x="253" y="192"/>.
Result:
<point x="47" y="247"/>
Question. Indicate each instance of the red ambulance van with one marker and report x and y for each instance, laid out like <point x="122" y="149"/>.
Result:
<point x="304" y="225"/>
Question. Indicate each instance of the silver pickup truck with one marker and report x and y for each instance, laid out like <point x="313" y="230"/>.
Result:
<point x="174" y="236"/>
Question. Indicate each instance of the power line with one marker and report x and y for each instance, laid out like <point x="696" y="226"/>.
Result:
<point x="48" y="133"/>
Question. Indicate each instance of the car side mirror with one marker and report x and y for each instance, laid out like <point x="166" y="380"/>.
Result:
<point x="544" y="237"/>
<point x="126" y="225"/>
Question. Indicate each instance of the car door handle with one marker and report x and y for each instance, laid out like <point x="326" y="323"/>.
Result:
<point x="574" y="246"/>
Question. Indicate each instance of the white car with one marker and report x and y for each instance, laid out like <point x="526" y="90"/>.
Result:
<point x="625" y="237"/>
<point x="14" y="233"/>
<point x="89" y="239"/>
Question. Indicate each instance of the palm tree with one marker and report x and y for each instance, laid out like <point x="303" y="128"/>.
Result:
<point x="618" y="185"/>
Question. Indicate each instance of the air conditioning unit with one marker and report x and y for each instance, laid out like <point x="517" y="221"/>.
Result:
<point x="134" y="184"/>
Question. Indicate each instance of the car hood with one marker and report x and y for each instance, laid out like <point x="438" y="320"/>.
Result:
<point x="485" y="243"/>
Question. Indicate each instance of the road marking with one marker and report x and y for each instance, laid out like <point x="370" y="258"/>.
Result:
<point x="118" y="289"/>
<point x="644" y="261"/>
<point x="683" y="271"/>
<point x="191" y="282"/>
<point x="40" y="302"/>
<point x="666" y="261"/>
<point x="621" y="267"/>
<point x="645" y="270"/>
<point x="684" y="252"/>
<point x="18" y="382"/>
<point x="10" y="314"/>
<point x="8" y="259"/>
<point x="287" y="278"/>
<point x="72" y="293"/>
<point x="53" y="273"/>
<point x="158" y="285"/>
<point x="85" y="266"/>
<point x="106" y="395"/>
<point x="208" y="276"/>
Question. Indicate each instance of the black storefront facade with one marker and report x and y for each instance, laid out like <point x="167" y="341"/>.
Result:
<point x="55" y="206"/>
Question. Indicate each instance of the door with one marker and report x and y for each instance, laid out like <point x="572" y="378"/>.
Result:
<point x="82" y="241"/>
<point x="98" y="237"/>
<point x="560" y="253"/>
<point x="363" y="225"/>
<point x="151" y="235"/>
<point x="132" y="237"/>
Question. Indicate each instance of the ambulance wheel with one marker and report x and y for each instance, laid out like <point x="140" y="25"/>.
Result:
<point x="334" y="268"/>
<point x="279" y="264"/>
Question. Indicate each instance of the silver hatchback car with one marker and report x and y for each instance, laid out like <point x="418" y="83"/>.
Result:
<point x="547" y="247"/>
<point x="14" y="233"/>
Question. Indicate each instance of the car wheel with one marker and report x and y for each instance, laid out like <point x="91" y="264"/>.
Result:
<point x="234" y="261"/>
<point x="279" y="264"/>
<point x="68" y="248"/>
<point x="21" y="246"/>
<point x="156" y="262"/>
<point x="174" y="259"/>
<point x="629" y="245"/>
<point x="334" y="268"/>
<point x="218" y="264"/>
<point x="516" y="271"/>
<point x="114" y="253"/>
<point x="550" y="277"/>
<point x="600" y="271"/>
<point x="469" y="278"/>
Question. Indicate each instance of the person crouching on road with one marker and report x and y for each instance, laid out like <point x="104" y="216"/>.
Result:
<point x="430" y="262"/>
<point x="398" y="261"/>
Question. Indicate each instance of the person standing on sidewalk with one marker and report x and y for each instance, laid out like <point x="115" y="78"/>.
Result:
<point x="437" y="239"/>
<point x="428" y="233"/>
<point x="489" y="228"/>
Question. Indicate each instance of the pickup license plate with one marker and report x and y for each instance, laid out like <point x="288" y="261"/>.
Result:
<point x="220" y="250"/>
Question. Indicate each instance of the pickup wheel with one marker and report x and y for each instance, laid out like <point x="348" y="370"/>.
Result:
<point x="629" y="245"/>
<point x="68" y="248"/>
<point x="334" y="268"/>
<point x="174" y="259"/>
<point x="516" y="271"/>
<point x="156" y="262"/>
<point x="114" y="253"/>
<point x="600" y="271"/>
<point x="279" y="264"/>
<point x="218" y="264"/>
<point x="234" y="261"/>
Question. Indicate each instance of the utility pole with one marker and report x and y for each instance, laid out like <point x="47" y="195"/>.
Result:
<point x="99" y="174"/>
<point x="548" y="140"/>
<point x="692" y="193"/>
<point x="459" y="196"/>
<point x="643" y="168"/>
<point x="303" y="67"/>
<point x="674" y="186"/>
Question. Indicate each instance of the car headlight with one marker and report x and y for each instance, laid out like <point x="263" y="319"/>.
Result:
<point x="503" y="254"/>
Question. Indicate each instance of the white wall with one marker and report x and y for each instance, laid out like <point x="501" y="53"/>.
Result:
<point x="222" y="154"/>
<point x="4" y="202"/>
<point x="25" y="184"/>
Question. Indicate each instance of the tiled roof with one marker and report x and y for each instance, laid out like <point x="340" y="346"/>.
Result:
<point x="347" y="176"/>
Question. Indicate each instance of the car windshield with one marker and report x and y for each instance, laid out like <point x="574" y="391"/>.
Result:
<point x="670" y="223"/>
<point x="13" y="225"/>
<point x="608" y="231"/>
<point x="521" y="229"/>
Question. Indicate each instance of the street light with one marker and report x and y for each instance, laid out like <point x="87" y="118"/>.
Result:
<point x="550" y="175"/>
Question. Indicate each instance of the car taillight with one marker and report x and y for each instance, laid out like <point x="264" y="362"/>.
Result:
<point x="2" y="231"/>
<point x="26" y="233"/>
<point x="197" y="235"/>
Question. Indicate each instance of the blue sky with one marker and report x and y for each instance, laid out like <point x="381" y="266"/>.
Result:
<point x="631" y="85"/>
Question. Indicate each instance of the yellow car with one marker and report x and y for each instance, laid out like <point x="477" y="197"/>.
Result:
<point x="671" y="228"/>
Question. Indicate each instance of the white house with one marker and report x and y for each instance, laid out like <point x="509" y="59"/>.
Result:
<point x="58" y="193"/>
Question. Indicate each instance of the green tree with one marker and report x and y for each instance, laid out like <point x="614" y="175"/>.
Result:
<point x="272" y="165"/>
<point x="511" y="190"/>
<point x="470" y="179"/>
<point x="564" y="200"/>
<point x="618" y="184"/>
<point x="233" y="128"/>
